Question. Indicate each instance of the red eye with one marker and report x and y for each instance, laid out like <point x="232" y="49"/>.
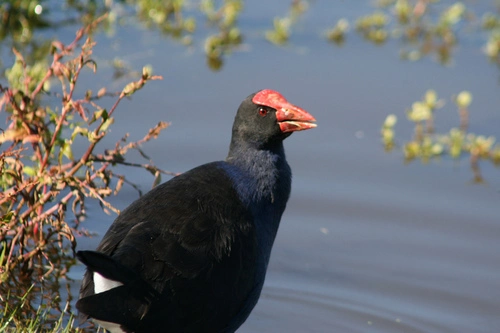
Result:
<point x="263" y="111"/>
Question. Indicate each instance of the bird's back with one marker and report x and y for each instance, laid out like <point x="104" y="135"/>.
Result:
<point x="193" y="241"/>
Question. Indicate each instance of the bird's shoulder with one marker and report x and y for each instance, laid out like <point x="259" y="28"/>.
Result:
<point x="196" y="216"/>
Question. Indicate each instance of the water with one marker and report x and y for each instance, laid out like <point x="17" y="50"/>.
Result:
<point x="367" y="244"/>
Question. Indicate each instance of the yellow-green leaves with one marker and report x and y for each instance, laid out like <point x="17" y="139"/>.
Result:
<point x="387" y="131"/>
<point x="455" y="142"/>
<point x="79" y="130"/>
<point x="132" y="87"/>
<point x="453" y="14"/>
<point x="105" y="125"/>
<point x="403" y="11"/>
<point x="431" y="99"/>
<point x="65" y="151"/>
<point x="425" y="149"/>
<point x="95" y="135"/>
<point x="426" y="144"/>
<point x="464" y="99"/>
<point x="281" y="31"/>
<point x="282" y="26"/>
<point x="491" y="23"/>
<point x="227" y="36"/>
<point x="338" y="32"/>
<point x="23" y="75"/>
<point x="373" y="27"/>
<point x="419" y="111"/>
<point x="423" y="111"/>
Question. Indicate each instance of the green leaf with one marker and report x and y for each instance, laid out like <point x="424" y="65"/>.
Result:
<point x="79" y="130"/>
<point x="147" y="71"/>
<point x="464" y="99"/>
<point x="66" y="149"/>
<point x="132" y="87"/>
<point x="30" y="171"/>
<point x="98" y="115"/>
<point x="106" y="123"/>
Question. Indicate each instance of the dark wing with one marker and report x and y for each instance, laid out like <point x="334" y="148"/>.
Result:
<point x="182" y="238"/>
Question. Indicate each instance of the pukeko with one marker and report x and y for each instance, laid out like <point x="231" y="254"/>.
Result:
<point x="191" y="255"/>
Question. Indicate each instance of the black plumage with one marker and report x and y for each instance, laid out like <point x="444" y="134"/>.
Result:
<point x="191" y="255"/>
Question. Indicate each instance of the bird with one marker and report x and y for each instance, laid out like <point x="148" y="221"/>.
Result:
<point x="191" y="255"/>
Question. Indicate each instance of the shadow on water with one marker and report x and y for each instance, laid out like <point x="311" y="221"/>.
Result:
<point x="366" y="245"/>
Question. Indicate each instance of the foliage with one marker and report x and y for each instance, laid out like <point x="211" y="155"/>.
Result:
<point x="423" y="26"/>
<point x="167" y="16"/>
<point x="491" y="23"/>
<point x="426" y="144"/>
<point x="373" y="27"/>
<point x="282" y="25"/>
<point x="425" y="33"/>
<point x="229" y="36"/>
<point x="10" y="323"/>
<point x="20" y="18"/>
<point x="44" y="182"/>
<point x="337" y="34"/>
<point x="173" y="18"/>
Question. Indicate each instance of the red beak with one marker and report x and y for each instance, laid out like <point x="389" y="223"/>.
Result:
<point x="290" y="118"/>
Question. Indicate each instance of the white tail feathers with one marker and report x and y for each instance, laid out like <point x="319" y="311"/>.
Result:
<point x="101" y="284"/>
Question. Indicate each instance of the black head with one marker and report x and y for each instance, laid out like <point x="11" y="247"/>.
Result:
<point x="266" y="117"/>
